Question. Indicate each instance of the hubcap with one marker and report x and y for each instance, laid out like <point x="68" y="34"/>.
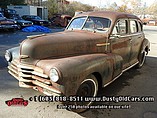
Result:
<point x="87" y="89"/>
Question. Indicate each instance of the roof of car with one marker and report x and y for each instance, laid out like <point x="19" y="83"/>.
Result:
<point x="29" y="15"/>
<point x="108" y="14"/>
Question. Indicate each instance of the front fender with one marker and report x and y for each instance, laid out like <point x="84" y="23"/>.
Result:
<point x="75" y="69"/>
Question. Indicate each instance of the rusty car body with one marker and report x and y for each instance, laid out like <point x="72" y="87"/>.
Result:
<point x="60" y="20"/>
<point x="93" y="51"/>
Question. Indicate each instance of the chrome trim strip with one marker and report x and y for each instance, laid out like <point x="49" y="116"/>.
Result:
<point x="46" y="86"/>
<point x="39" y="74"/>
<point x="35" y="36"/>
<point x="102" y="44"/>
<point x="112" y="80"/>
<point x="130" y="67"/>
<point x="33" y="72"/>
<point x="22" y="84"/>
<point x="24" y="56"/>
<point x="24" y="80"/>
<point x="120" y="74"/>
<point x="16" y="77"/>
<point x="25" y="67"/>
<point x="24" y="75"/>
<point x="11" y="69"/>
<point x="46" y="81"/>
<point x="14" y="62"/>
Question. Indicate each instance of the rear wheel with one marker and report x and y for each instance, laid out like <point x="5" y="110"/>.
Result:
<point x="88" y="88"/>
<point x="141" y="59"/>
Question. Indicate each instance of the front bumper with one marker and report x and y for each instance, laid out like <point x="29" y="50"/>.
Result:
<point x="26" y="24"/>
<point x="8" y="26"/>
<point x="30" y="76"/>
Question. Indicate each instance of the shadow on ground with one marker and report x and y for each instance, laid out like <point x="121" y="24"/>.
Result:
<point x="3" y="62"/>
<point x="118" y="85"/>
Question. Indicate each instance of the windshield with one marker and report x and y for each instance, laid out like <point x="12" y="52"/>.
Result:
<point x="77" y="23"/>
<point x="97" y="24"/>
<point x="16" y="17"/>
<point x="36" y="17"/>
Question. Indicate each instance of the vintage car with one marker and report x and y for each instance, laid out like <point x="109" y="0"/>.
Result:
<point x="93" y="51"/>
<point x="8" y="13"/>
<point x="36" y="20"/>
<point x="60" y="20"/>
<point x="21" y="23"/>
<point x="6" y="24"/>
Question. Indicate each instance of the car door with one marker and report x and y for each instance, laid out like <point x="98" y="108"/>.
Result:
<point x="137" y="36"/>
<point x="120" y="41"/>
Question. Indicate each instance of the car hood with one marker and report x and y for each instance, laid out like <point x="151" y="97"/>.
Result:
<point x="39" y="20"/>
<point x="57" y="45"/>
<point x="5" y="21"/>
<point x="1" y="19"/>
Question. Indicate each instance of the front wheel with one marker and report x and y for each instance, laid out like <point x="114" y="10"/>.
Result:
<point x="88" y="88"/>
<point x="141" y="59"/>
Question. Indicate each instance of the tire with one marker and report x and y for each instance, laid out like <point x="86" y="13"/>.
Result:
<point x="19" y="27"/>
<point x="142" y="58"/>
<point x="12" y="30"/>
<point x="88" y="87"/>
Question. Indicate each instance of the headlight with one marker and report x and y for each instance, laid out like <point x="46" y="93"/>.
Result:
<point x="54" y="76"/>
<point x="8" y="56"/>
<point x="15" y="22"/>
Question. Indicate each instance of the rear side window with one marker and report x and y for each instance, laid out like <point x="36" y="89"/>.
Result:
<point x="140" y="26"/>
<point x="133" y="26"/>
<point x="121" y="27"/>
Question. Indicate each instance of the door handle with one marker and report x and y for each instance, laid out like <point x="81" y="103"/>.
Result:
<point x="140" y="37"/>
<point x="130" y="39"/>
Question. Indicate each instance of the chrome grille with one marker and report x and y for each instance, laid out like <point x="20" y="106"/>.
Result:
<point x="30" y="76"/>
<point x="22" y="72"/>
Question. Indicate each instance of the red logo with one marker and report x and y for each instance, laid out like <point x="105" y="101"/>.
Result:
<point x="17" y="102"/>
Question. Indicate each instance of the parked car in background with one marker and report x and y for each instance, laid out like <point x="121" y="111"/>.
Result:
<point x="21" y="22"/>
<point x="7" y="24"/>
<point x="145" y="21"/>
<point x="36" y="20"/>
<point x="60" y="20"/>
<point x="93" y="51"/>
<point x="8" y="13"/>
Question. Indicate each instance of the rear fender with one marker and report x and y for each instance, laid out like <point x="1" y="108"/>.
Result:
<point x="145" y="46"/>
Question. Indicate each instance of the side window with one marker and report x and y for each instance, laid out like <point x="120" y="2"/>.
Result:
<point x="133" y="26"/>
<point x="120" y="28"/>
<point x="140" y="26"/>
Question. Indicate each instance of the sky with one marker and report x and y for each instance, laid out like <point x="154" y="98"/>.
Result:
<point x="103" y="3"/>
